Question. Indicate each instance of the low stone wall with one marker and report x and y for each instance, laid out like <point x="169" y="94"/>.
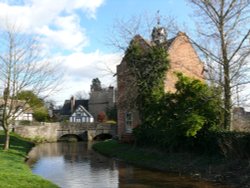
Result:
<point x="241" y="120"/>
<point x="46" y="131"/>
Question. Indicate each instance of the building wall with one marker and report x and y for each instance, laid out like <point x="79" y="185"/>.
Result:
<point x="241" y="120"/>
<point x="101" y="100"/>
<point x="183" y="58"/>
<point x="127" y="93"/>
<point x="24" y="116"/>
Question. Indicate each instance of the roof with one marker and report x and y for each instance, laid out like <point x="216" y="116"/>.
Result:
<point x="143" y="42"/>
<point x="17" y="104"/>
<point x="66" y="109"/>
<point x="167" y="44"/>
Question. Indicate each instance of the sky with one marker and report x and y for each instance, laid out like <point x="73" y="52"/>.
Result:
<point x="74" y="33"/>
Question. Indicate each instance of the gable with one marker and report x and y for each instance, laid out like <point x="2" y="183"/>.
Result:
<point x="81" y="112"/>
<point x="183" y="58"/>
<point x="66" y="109"/>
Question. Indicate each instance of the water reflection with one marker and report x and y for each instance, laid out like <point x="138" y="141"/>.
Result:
<point x="73" y="165"/>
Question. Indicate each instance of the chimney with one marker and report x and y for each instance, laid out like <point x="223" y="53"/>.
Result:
<point x="72" y="104"/>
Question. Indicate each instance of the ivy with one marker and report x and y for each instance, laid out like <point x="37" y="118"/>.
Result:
<point x="148" y="65"/>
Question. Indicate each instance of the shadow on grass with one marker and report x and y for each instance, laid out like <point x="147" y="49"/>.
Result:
<point x="16" y="143"/>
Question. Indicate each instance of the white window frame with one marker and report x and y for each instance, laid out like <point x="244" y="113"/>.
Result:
<point x="128" y="122"/>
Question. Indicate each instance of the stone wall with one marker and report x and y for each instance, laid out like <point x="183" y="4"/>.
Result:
<point x="51" y="132"/>
<point x="241" y="120"/>
<point x="99" y="101"/>
<point x="47" y="131"/>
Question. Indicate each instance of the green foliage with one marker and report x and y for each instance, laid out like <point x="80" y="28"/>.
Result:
<point x="194" y="106"/>
<point x="180" y="117"/>
<point x="24" y="122"/>
<point x="112" y="113"/>
<point x="194" y="123"/>
<point x="148" y="65"/>
<point x="96" y="85"/>
<point x="228" y="144"/>
<point x="40" y="112"/>
<point x="32" y="99"/>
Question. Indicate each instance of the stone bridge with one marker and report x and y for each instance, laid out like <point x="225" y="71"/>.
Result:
<point x="56" y="131"/>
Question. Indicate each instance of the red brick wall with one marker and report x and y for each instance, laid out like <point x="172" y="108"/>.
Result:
<point x="183" y="58"/>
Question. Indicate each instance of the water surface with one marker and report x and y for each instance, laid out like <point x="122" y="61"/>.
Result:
<point x="76" y="165"/>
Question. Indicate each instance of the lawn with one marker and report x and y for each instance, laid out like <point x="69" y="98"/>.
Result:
<point x="14" y="173"/>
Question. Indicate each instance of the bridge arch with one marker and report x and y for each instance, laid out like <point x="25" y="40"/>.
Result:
<point x="103" y="136"/>
<point x="70" y="138"/>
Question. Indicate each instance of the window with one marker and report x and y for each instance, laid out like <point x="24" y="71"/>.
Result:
<point x="78" y="120"/>
<point x="128" y="122"/>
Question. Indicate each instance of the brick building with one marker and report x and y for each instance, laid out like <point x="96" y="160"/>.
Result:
<point x="183" y="58"/>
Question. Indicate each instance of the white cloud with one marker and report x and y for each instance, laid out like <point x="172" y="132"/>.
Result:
<point x="67" y="34"/>
<point x="80" y="68"/>
<point x="87" y="6"/>
<point x="56" y="21"/>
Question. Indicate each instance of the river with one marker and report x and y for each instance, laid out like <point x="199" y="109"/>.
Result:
<point x="76" y="165"/>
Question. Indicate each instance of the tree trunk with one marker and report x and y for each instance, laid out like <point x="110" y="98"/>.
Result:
<point x="227" y="98"/>
<point x="7" y="140"/>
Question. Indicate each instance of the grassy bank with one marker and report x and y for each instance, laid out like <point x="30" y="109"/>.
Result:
<point x="233" y="172"/>
<point x="14" y="173"/>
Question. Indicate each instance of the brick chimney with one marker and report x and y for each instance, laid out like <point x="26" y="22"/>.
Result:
<point x="72" y="104"/>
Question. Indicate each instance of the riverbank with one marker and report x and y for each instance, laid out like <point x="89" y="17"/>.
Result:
<point x="14" y="173"/>
<point x="232" y="172"/>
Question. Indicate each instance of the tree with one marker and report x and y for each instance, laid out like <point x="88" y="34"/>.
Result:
<point x="22" y="67"/>
<point x="123" y="31"/>
<point x="101" y="117"/>
<point x="224" y="25"/>
<point x="81" y="95"/>
<point x="96" y="85"/>
<point x="40" y="112"/>
<point x="111" y="113"/>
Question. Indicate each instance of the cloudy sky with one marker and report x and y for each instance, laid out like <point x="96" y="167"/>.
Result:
<point x="73" y="32"/>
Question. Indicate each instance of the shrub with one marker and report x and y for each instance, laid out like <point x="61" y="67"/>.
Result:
<point x="24" y="122"/>
<point x="101" y="117"/>
<point x="178" y="118"/>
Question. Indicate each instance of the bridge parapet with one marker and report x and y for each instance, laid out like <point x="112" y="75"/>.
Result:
<point x="53" y="131"/>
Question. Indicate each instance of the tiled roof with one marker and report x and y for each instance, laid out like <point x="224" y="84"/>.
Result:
<point x="167" y="44"/>
<point x="66" y="109"/>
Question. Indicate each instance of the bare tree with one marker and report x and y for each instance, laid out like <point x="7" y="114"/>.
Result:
<point x="22" y="67"/>
<point x="80" y="95"/>
<point x="123" y="31"/>
<point x="224" y="26"/>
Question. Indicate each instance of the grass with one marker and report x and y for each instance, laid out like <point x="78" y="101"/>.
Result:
<point x="14" y="173"/>
<point x="234" y="172"/>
